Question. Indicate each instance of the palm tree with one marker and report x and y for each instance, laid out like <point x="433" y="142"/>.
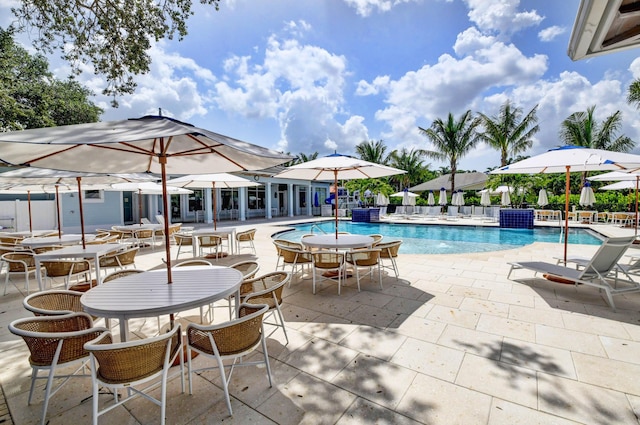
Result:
<point x="410" y="161"/>
<point x="581" y="129"/>
<point x="452" y="139"/>
<point x="372" y="151"/>
<point x="633" y="95"/>
<point x="508" y="132"/>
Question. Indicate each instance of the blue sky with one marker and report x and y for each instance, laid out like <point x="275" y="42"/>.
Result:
<point x="324" y="75"/>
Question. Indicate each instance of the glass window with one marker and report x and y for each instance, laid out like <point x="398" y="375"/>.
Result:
<point x="256" y="197"/>
<point x="92" y="195"/>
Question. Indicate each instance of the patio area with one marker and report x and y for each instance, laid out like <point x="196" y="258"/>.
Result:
<point x="452" y="341"/>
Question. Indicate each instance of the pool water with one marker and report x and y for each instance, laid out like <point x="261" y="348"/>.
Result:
<point x="448" y="239"/>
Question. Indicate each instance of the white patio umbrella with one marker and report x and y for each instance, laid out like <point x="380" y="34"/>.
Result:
<point x="442" y="199"/>
<point x="33" y="175"/>
<point x="460" y="198"/>
<point x="334" y="167"/>
<point x="587" y="197"/>
<point x="407" y="197"/>
<point x="570" y="158"/>
<point x="217" y="180"/>
<point x="152" y="144"/>
<point x="431" y="200"/>
<point x="485" y="198"/>
<point x="629" y="180"/>
<point x="505" y="198"/>
<point x="381" y="200"/>
<point x="543" y="199"/>
<point x="28" y="189"/>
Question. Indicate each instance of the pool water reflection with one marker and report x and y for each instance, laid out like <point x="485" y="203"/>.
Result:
<point x="448" y="239"/>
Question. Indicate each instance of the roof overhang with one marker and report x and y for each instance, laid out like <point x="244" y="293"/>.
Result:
<point x="604" y="26"/>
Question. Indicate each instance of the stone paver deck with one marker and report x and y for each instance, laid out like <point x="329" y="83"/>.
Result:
<point x="452" y="341"/>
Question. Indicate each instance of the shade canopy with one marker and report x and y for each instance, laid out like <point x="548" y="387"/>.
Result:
<point x="576" y="157"/>
<point x="403" y="194"/>
<point x="381" y="200"/>
<point x="485" y="199"/>
<point x="431" y="200"/>
<point x="31" y="175"/>
<point x="132" y="146"/>
<point x="505" y="199"/>
<point x="153" y="144"/>
<point x="213" y="181"/>
<point x="346" y="167"/>
<point x="621" y="185"/>
<point x="216" y="180"/>
<point x="337" y="166"/>
<point x="587" y="197"/>
<point x="442" y="198"/>
<point x="567" y="159"/>
<point x="543" y="199"/>
<point x="147" y="188"/>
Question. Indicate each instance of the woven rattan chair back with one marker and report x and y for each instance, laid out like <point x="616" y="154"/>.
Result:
<point x="55" y="302"/>
<point x="134" y="365"/>
<point x="246" y="237"/>
<point x="120" y="273"/>
<point x="194" y="263"/>
<point x="230" y="340"/>
<point x="267" y="289"/>
<point x="55" y="341"/>
<point x="19" y="261"/>
<point x="247" y="268"/>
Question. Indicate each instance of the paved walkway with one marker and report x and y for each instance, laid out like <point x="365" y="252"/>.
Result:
<point x="452" y="341"/>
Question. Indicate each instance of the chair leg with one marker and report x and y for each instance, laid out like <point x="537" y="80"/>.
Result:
<point x="225" y="384"/>
<point x="266" y="359"/>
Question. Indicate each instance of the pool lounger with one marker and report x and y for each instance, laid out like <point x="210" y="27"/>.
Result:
<point x="597" y="272"/>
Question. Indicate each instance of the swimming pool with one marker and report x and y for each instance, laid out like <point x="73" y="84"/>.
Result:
<point x="448" y="239"/>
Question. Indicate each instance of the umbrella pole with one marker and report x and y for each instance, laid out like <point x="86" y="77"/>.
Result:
<point x="167" y="243"/>
<point x="29" y="205"/>
<point x="58" y="211"/>
<point x="566" y="212"/>
<point x="335" y="182"/>
<point x="140" y="206"/>
<point x="215" y="204"/>
<point x="78" y="179"/>
<point x="636" y="222"/>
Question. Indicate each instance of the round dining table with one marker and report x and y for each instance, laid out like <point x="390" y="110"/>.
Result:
<point x="343" y="241"/>
<point x="148" y="294"/>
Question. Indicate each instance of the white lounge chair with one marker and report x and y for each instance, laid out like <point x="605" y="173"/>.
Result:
<point x="598" y="271"/>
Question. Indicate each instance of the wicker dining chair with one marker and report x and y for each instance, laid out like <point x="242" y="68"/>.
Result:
<point x="246" y="237"/>
<point x="182" y="240"/>
<point x="368" y="259"/>
<point x="134" y="366"/>
<point x="66" y="269"/>
<point x="211" y="242"/>
<point x="328" y="261"/>
<point x="293" y="254"/>
<point x="55" y="341"/>
<point x="389" y="251"/>
<point x="229" y="341"/>
<point x="267" y="289"/>
<point x="54" y="302"/>
<point x="19" y="263"/>
<point x="145" y="237"/>
<point x="119" y="260"/>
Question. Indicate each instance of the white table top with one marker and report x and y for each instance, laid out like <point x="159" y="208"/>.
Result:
<point x="210" y="231"/>
<point x="78" y="251"/>
<point x="148" y="294"/>
<point x="55" y="240"/>
<point x="151" y="226"/>
<point x="342" y="242"/>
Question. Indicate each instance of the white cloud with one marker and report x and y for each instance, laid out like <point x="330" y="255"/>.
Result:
<point x="364" y="8"/>
<point x="301" y="86"/>
<point x="501" y="16"/>
<point x="174" y="83"/>
<point x="453" y="85"/>
<point x="550" y="33"/>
